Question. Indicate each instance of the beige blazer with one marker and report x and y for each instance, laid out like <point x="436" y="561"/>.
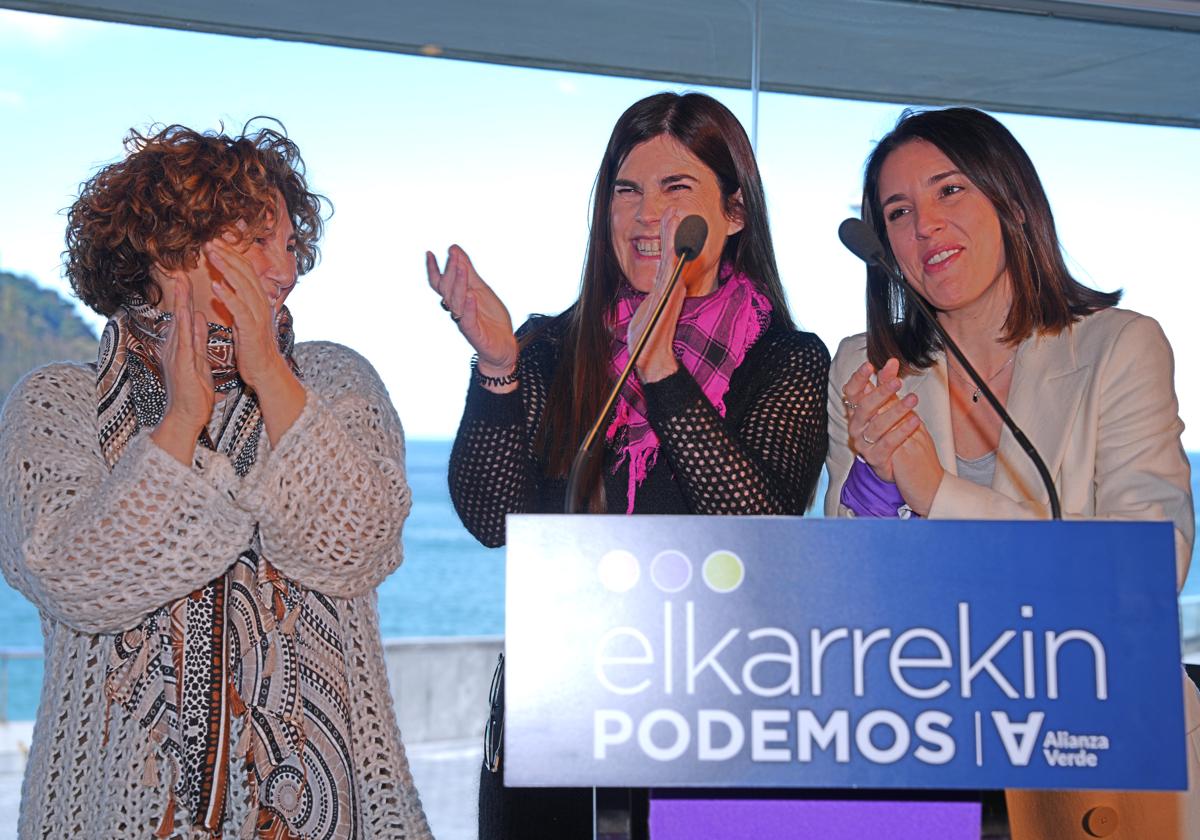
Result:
<point x="1098" y="402"/>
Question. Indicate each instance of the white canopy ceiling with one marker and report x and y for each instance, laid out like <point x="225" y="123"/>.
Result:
<point x="1103" y="59"/>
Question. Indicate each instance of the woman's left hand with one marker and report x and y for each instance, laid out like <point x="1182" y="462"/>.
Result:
<point x="658" y="358"/>
<point x="261" y="365"/>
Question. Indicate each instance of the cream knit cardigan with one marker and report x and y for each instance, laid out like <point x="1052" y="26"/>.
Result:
<point x="96" y="551"/>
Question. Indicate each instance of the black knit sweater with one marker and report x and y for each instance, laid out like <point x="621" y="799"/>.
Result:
<point x="763" y="457"/>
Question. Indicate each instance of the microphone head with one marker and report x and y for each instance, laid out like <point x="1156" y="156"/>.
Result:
<point x="690" y="236"/>
<point x="861" y="240"/>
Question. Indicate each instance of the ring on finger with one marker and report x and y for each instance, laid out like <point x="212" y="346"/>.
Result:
<point x="868" y="440"/>
<point x="850" y="404"/>
<point x="453" y="317"/>
<point x="445" y="306"/>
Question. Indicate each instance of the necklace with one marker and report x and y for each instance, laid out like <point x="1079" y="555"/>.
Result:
<point x="977" y="392"/>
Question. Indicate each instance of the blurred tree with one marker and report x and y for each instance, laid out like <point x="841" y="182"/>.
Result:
<point x="37" y="326"/>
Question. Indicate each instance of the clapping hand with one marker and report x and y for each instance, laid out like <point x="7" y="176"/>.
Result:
<point x="186" y="375"/>
<point x="658" y="359"/>
<point x="887" y="432"/>
<point x="479" y="314"/>
<point x="236" y="284"/>
<point x="253" y="301"/>
<point x="879" y="420"/>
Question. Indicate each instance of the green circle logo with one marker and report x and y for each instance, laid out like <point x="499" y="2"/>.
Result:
<point x="723" y="571"/>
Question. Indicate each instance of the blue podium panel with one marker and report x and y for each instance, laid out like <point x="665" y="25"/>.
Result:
<point x="677" y="651"/>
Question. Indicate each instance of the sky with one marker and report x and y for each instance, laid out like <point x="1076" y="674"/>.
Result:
<point x="417" y="153"/>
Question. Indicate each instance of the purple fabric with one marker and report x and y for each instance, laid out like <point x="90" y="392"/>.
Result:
<point x="776" y="819"/>
<point x="869" y="495"/>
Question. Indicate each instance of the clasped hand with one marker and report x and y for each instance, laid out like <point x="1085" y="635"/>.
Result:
<point x="886" y="431"/>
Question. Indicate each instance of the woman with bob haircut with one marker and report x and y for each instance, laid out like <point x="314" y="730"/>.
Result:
<point x="962" y="214"/>
<point x="726" y="412"/>
<point x="202" y="518"/>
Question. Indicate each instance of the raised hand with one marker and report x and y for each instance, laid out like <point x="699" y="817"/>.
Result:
<point x="186" y="375"/>
<point x="476" y="310"/>
<point x="236" y="284"/>
<point x="658" y="359"/>
<point x="879" y="421"/>
<point x="890" y="436"/>
<point x="253" y="302"/>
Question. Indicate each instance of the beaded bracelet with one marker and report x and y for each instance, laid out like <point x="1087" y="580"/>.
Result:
<point x="492" y="381"/>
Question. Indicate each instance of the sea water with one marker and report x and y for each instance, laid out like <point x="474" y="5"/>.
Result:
<point x="448" y="585"/>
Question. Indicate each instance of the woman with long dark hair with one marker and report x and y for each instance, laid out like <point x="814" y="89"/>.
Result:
<point x="961" y="212"/>
<point x="726" y="411"/>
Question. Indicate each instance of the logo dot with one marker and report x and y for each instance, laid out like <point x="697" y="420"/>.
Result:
<point x="723" y="571"/>
<point x="619" y="571"/>
<point x="671" y="570"/>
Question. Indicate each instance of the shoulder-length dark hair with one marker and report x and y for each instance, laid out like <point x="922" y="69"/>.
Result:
<point x="1045" y="297"/>
<point x="176" y="189"/>
<point x="713" y="134"/>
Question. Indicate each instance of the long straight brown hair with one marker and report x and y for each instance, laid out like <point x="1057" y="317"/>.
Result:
<point x="713" y="134"/>
<point x="1046" y="298"/>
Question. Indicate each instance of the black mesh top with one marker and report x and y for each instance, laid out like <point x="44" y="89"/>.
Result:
<point x="763" y="457"/>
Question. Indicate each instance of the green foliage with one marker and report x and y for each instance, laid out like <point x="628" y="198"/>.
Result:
<point x="37" y="326"/>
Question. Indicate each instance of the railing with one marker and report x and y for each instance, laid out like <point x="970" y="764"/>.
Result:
<point x="1189" y="627"/>
<point x="439" y="685"/>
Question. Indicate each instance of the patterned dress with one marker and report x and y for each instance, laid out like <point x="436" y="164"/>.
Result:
<point x="98" y="550"/>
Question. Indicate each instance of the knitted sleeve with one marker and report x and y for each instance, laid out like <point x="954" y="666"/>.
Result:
<point x="493" y="466"/>
<point x="100" y="549"/>
<point x="391" y="805"/>
<point x="332" y="497"/>
<point x="767" y="458"/>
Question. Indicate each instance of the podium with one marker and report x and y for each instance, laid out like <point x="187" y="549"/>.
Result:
<point x="762" y="655"/>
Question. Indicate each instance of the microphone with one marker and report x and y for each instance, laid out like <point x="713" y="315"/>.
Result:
<point x="861" y="241"/>
<point x="689" y="239"/>
<point x="689" y="242"/>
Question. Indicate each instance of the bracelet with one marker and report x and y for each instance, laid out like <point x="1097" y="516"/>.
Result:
<point x="492" y="381"/>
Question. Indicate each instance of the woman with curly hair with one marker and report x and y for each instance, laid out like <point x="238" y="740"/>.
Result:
<point x="202" y="518"/>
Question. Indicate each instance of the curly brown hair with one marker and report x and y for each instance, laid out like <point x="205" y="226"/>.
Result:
<point x="175" y="190"/>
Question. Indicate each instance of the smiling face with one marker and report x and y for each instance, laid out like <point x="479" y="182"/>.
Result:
<point x="944" y="232"/>
<point x="657" y="175"/>
<point x="272" y="255"/>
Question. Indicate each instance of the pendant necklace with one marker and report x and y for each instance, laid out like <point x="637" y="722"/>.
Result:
<point x="977" y="392"/>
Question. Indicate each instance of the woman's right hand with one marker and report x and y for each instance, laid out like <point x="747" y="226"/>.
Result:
<point x="187" y="376"/>
<point x="879" y="422"/>
<point x="479" y="314"/>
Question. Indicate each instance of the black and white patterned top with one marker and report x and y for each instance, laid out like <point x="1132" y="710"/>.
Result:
<point x="763" y="457"/>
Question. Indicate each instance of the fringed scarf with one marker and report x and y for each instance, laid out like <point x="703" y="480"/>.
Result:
<point x="711" y="339"/>
<point x="249" y="645"/>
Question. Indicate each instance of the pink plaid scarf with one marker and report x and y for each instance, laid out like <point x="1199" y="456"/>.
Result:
<point x="711" y="339"/>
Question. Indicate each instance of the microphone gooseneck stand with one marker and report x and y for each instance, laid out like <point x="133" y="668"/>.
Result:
<point x="858" y="237"/>
<point x="689" y="241"/>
